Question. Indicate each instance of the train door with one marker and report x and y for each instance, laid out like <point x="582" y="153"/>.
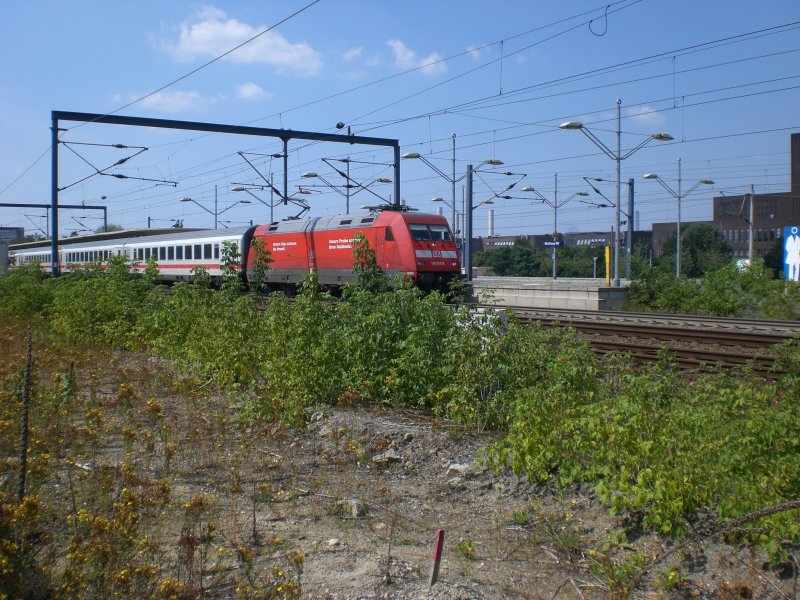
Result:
<point x="379" y="243"/>
<point x="390" y="258"/>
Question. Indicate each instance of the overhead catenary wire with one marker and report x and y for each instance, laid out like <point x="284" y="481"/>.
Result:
<point x="500" y="140"/>
<point x="699" y="45"/>
<point x="610" y="68"/>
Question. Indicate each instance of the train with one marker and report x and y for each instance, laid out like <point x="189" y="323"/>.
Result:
<point x="415" y="246"/>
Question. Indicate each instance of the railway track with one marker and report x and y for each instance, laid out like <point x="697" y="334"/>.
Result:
<point x="696" y="343"/>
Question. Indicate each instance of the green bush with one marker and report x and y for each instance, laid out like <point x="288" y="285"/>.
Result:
<point x="653" y="444"/>
<point x="99" y="304"/>
<point x="726" y="292"/>
<point x="24" y="291"/>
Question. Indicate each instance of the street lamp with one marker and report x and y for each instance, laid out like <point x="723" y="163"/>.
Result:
<point x="215" y="212"/>
<point x="618" y="157"/>
<point x="347" y="186"/>
<point x="452" y="179"/>
<point x="555" y="205"/>
<point x="629" y="216"/>
<point x="304" y="206"/>
<point x="271" y="204"/>
<point x="678" y="195"/>
<point x="470" y="207"/>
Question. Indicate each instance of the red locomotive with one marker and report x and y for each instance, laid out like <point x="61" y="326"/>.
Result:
<point x="415" y="246"/>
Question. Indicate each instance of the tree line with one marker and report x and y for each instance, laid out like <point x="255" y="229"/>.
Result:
<point x="703" y="250"/>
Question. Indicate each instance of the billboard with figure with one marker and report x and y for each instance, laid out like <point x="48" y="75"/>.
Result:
<point x="791" y="253"/>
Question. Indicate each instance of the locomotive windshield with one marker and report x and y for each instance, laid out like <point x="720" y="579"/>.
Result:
<point x="436" y="233"/>
<point x="440" y="233"/>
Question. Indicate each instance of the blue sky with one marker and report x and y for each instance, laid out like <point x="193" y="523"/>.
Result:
<point x="721" y="76"/>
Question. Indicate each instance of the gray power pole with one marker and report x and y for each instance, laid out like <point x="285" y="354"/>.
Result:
<point x="751" y="244"/>
<point x="629" y="241"/>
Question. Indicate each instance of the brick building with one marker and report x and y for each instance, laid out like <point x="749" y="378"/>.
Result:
<point x="770" y="213"/>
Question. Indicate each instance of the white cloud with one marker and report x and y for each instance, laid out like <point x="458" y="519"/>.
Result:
<point x="476" y="52"/>
<point x="177" y="102"/>
<point x="352" y="53"/>
<point x="374" y="61"/>
<point x="212" y="33"/>
<point x="646" y="114"/>
<point x="252" y="91"/>
<point x="406" y="58"/>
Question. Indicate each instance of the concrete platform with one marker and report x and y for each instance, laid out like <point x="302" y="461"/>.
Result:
<point x="541" y="292"/>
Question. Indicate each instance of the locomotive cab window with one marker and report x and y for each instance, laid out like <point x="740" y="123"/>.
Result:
<point x="389" y="236"/>
<point x="419" y="232"/>
<point x="440" y="233"/>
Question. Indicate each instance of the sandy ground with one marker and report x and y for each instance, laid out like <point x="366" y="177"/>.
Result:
<point x="360" y="493"/>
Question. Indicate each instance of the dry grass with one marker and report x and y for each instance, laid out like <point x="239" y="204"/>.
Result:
<point x="143" y="483"/>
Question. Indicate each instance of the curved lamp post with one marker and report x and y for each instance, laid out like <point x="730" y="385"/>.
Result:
<point x="215" y="212"/>
<point x="678" y="195"/>
<point x="555" y="205"/>
<point x="618" y="157"/>
<point x="452" y="179"/>
<point x="347" y="186"/>
<point x="470" y="207"/>
<point x="271" y="204"/>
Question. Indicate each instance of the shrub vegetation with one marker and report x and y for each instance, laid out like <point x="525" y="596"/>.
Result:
<point x="653" y="444"/>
